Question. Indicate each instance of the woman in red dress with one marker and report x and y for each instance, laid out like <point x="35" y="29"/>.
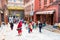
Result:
<point x="19" y="28"/>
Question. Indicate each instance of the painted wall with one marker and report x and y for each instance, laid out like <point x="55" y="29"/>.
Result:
<point x="59" y="13"/>
<point x="36" y="5"/>
<point x="55" y="7"/>
<point x="49" y="7"/>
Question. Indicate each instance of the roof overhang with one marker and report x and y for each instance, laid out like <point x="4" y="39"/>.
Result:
<point x="45" y="12"/>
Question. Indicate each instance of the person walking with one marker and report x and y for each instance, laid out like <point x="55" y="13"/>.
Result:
<point x="30" y="27"/>
<point x="40" y="26"/>
<point x="19" y="28"/>
<point x="11" y="25"/>
<point x="35" y="25"/>
<point x="26" y="25"/>
<point x="11" y="22"/>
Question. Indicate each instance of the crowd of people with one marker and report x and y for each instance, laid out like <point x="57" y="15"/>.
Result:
<point x="29" y="25"/>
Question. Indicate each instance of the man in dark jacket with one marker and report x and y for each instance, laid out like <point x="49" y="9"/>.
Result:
<point x="11" y="25"/>
<point x="40" y="26"/>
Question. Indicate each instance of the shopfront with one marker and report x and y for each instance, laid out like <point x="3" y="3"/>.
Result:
<point x="45" y="16"/>
<point x="16" y="13"/>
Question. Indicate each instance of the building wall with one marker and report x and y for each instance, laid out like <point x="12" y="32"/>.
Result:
<point x="27" y="10"/>
<point x="36" y="5"/>
<point x="4" y="5"/>
<point x="59" y="14"/>
<point x="0" y="13"/>
<point x="39" y="5"/>
<point x="29" y="7"/>
<point x="0" y="4"/>
<point x="16" y="7"/>
<point x="4" y="2"/>
<point x="46" y="7"/>
<point x="26" y="1"/>
<point x="55" y="7"/>
<point x="3" y="8"/>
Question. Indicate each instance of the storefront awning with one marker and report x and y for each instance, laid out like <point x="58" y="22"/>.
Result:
<point x="45" y="12"/>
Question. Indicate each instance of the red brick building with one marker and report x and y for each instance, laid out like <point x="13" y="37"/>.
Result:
<point x="3" y="9"/>
<point x="47" y="11"/>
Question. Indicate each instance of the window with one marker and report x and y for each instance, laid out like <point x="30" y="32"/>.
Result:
<point x="40" y="3"/>
<point x="45" y="2"/>
<point x="21" y="0"/>
<point x="51" y="1"/>
<point x="31" y="0"/>
<point x="10" y="0"/>
<point x="26" y="1"/>
<point x="14" y="0"/>
<point x="0" y="2"/>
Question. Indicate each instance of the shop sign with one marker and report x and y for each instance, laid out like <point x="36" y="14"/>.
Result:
<point x="17" y="14"/>
<point x="15" y="7"/>
<point x="31" y="13"/>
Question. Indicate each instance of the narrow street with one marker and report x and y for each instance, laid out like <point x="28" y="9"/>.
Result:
<point x="7" y="34"/>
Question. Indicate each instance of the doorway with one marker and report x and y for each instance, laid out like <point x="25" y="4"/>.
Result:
<point x="37" y="17"/>
<point x="2" y="17"/>
<point x="49" y="19"/>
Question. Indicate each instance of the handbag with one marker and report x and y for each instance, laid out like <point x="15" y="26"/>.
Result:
<point x="19" y="29"/>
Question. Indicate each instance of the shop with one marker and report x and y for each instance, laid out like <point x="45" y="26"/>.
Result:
<point x="45" y="16"/>
<point x="16" y="12"/>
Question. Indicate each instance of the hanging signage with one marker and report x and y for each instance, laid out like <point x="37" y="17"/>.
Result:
<point x="15" y="7"/>
<point x="32" y="13"/>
